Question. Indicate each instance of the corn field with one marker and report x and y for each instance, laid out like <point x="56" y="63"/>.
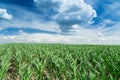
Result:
<point x="59" y="62"/>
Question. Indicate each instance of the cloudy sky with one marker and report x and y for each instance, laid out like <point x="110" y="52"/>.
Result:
<point x="60" y="21"/>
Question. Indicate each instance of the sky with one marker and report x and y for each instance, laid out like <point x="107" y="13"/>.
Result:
<point x="60" y="21"/>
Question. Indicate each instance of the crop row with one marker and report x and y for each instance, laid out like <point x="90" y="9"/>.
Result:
<point x="59" y="62"/>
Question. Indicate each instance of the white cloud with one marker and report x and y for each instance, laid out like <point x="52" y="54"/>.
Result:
<point x="71" y="16"/>
<point x="4" y="14"/>
<point x="80" y="14"/>
<point x="28" y="19"/>
<point x="69" y="12"/>
<point x="84" y="36"/>
<point x="34" y="24"/>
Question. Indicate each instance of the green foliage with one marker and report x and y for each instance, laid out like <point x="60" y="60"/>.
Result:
<point x="59" y="62"/>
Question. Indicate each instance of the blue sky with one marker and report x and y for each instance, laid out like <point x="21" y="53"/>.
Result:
<point x="60" y="21"/>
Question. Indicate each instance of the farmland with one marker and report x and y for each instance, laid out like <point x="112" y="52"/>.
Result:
<point x="59" y="62"/>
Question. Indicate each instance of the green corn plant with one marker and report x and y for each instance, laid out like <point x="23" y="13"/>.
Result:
<point x="25" y="71"/>
<point x="4" y="65"/>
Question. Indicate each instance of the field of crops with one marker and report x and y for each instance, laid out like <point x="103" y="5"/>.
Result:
<point x="59" y="62"/>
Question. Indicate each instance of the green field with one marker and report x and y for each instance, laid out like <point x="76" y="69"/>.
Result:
<point x="59" y="62"/>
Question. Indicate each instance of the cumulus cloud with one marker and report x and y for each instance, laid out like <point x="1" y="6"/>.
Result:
<point x="61" y="15"/>
<point x="4" y="14"/>
<point x="69" y="12"/>
<point x="74" y="12"/>
<point x="65" y="16"/>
